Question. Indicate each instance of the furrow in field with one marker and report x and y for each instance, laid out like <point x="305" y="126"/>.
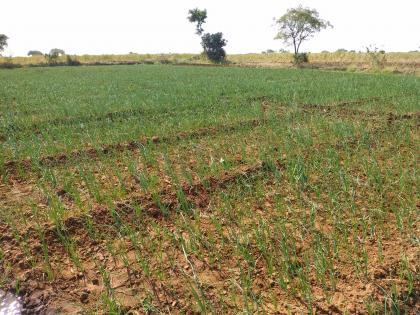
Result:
<point x="392" y="118"/>
<point x="157" y="205"/>
<point x="12" y="166"/>
<point x="76" y="120"/>
<point x="104" y="218"/>
<point x="267" y="100"/>
<point x="365" y="115"/>
<point x="70" y="121"/>
<point x="58" y="238"/>
<point x="124" y="114"/>
<point x="357" y="141"/>
<point x="171" y="198"/>
<point x="341" y="109"/>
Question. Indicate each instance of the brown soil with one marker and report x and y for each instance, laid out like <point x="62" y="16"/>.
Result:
<point x="73" y="289"/>
<point x="39" y="296"/>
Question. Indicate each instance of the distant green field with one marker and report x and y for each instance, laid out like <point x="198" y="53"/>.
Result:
<point x="163" y="188"/>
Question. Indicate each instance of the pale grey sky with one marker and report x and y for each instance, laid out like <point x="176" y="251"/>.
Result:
<point x="161" y="26"/>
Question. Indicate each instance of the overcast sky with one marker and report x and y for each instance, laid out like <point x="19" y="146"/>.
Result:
<point x="161" y="26"/>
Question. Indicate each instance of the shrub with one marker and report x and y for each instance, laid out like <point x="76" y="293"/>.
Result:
<point x="72" y="62"/>
<point x="51" y="59"/>
<point x="9" y="65"/>
<point x="300" y="58"/>
<point x="377" y="57"/>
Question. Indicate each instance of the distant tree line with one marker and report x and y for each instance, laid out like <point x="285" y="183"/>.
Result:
<point x="296" y="26"/>
<point x="52" y="57"/>
<point x="54" y="52"/>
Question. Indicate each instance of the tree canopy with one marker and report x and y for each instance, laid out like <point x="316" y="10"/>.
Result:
<point x="213" y="46"/>
<point x="34" y="53"/>
<point x="298" y="25"/>
<point x="198" y="16"/>
<point x="3" y="42"/>
<point x="56" y="51"/>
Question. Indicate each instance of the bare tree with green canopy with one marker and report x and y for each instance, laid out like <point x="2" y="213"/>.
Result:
<point x="298" y="25"/>
<point x="3" y="42"/>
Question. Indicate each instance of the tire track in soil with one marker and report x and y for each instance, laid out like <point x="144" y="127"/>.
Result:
<point x="13" y="166"/>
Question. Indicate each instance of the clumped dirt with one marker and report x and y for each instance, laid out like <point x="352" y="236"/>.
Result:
<point x="392" y="118"/>
<point x="341" y="111"/>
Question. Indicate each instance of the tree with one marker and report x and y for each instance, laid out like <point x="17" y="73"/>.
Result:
<point x="52" y="57"/>
<point x="3" y="42"/>
<point x="213" y="46"/>
<point x="57" y="52"/>
<point x="212" y="43"/>
<point x="34" y="53"/>
<point x="298" y="25"/>
<point x="198" y="16"/>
